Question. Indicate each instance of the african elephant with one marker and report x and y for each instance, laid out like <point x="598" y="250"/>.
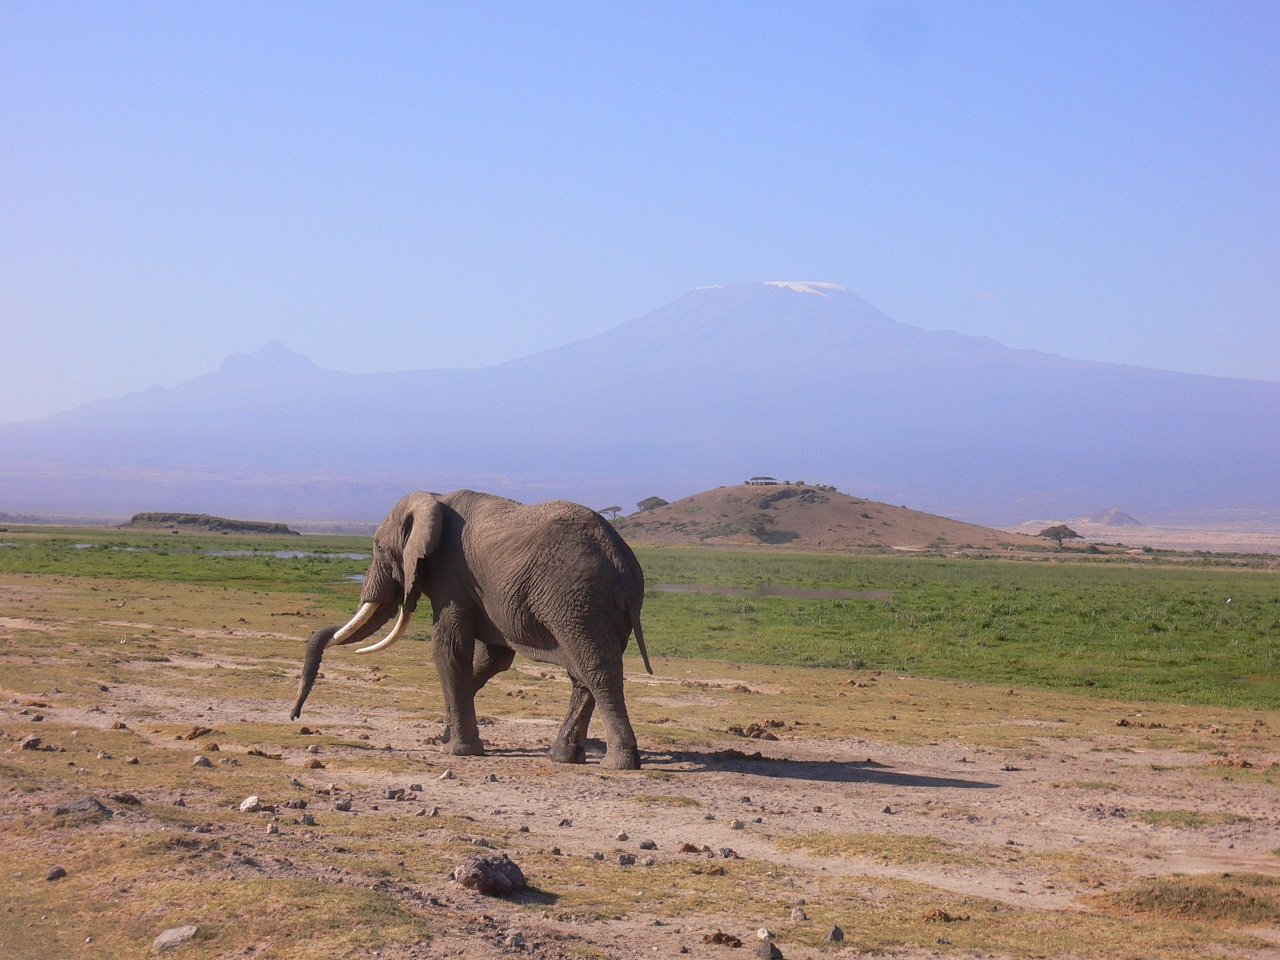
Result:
<point x="553" y="581"/>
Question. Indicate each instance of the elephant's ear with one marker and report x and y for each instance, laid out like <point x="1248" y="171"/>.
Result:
<point x="423" y="524"/>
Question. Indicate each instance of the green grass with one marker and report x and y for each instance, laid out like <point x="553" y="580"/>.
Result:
<point x="1128" y="631"/>
<point x="1190" y="819"/>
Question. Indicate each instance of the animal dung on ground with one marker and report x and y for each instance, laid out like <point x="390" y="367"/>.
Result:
<point x="494" y="875"/>
<point x="722" y="938"/>
<point x="314" y="764"/>
<point x="938" y="915"/>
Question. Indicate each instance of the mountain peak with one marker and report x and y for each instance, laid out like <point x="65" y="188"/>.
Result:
<point x="272" y="358"/>
<point x="806" y="286"/>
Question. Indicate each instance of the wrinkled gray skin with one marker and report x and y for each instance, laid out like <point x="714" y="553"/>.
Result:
<point x="553" y="581"/>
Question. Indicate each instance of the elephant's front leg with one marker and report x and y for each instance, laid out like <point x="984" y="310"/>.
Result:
<point x="453" y="649"/>
<point x="571" y="742"/>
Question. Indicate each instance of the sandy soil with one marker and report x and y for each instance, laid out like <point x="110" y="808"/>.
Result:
<point x="882" y="799"/>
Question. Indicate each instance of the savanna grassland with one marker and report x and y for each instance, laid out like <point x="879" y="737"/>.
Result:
<point x="994" y="756"/>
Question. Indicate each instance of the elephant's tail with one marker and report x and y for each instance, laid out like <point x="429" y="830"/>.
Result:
<point x="633" y="611"/>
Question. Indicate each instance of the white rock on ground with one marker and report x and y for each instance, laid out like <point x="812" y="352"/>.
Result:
<point x="250" y="805"/>
<point x="175" y="937"/>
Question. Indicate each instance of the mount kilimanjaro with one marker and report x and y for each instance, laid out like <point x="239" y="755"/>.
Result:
<point x="795" y="379"/>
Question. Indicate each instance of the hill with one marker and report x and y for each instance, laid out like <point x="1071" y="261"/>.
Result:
<point x="203" y="523"/>
<point x="796" y="379"/>
<point x="808" y="517"/>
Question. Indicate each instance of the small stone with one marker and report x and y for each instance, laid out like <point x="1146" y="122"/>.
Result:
<point x="758" y="820"/>
<point x="447" y="775"/>
<point x="736" y="825"/>
<point x="30" y="743"/>
<point x="491" y="778"/>
<point x="817" y="808"/>
<point x="648" y="845"/>
<point x="103" y="755"/>
<point x="38" y="718"/>
<point x="647" y="861"/>
<point x="764" y="933"/>
<point x="797" y="915"/>
<point x="622" y="838"/>
<point x="175" y="937"/>
<point x="523" y="828"/>
<point x="88" y="939"/>
<point x="313" y="749"/>
<point x="305" y="731"/>
<point x="494" y="875"/>
<point x="556" y="852"/>
<point x="417" y="787"/>
<point x="179" y="802"/>
<point x="420" y="812"/>
<point x="119" y="725"/>
<point x="835" y="936"/>
<point x="435" y="812"/>
<point x="888" y="810"/>
<point x="626" y="859"/>
<point x="566" y="822"/>
<point x="394" y="793"/>
<point x="729" y="853"/>
<point x="272" y="829"/>
<point x="516" y="941"/>
<point x="202" y="762"/>
<point x="250" y="805"/>
<point x="314" y="764"/>
<point x="708" y="816"/>
<point x="597" y="856"/>
<point x="55" y="873"/>
<point x="211" y="747"/>
<point x="308" y="820"/>
<point x="768" y="951"/>
<point x="343" y="805"/>
<point x="128" y="799"/>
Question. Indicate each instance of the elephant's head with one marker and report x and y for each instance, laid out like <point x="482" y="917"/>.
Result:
<point x="400" y="547"/>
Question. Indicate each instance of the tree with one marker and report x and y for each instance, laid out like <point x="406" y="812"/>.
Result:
<point x="651" y="503"/>
<point x="1059" y="533"/>
<point x="610" y="512"/>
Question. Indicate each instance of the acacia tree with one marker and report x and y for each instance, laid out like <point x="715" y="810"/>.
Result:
<point x="651" y="503"/>
<point x="1059" y="533"/>
<point x="610" y="512"/>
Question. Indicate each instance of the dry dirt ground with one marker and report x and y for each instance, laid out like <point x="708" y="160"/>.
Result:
<point x="807" y="517"/>
<point x="925" y="818"/>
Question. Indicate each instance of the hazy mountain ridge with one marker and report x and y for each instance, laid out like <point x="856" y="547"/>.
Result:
<point x="718" y="385"/>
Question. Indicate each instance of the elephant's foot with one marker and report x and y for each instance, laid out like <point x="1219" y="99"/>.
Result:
<point x="621" y="758"/>
<point x="459" y="748"/>
<point x="561" y="752"/>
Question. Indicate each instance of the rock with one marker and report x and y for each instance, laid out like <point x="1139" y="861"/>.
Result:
<point x="87" y="805"/>
<point x="556" y="852"/>
<point x="416" y="787"/>
<point x="481" y="842"/>
<point x="179" y="802"/>
<point x="523" y="828"/>
<point x="435" y="812"/>
<point x="128" y="799"/>
<point x="626" y="859"/>
<point x="736" y="824"/>
<point x="343" y="805"/>
<point x="132" y="761"/>
<point x="888" y="810"/>
<point x="119" y="725"/>
<point x="211" y="747"/>
<point x="420" y="812"/>
<point x="797" y="915"/>
<point x="764" y="933"/>
<point x="648" y="845"/>
<point x="313" y="749"/>
<point x="447" y="775"/>
<point x="55" y="873"/>
<point x="835" y="936"/>
<point x="729" y="853"/>
<point x="394" y="793"/>
<point x="566" y="822"/>
<point x="494" y="875"/>
<point x="30" y="743"/>
<point x="768" y="951"/>
<point x="314" y="764"/>
<point x="622" y="838"/>
<point x="516" y="941"/>
<point x="38" y="718"/>
<point x="272" y="829"/>
<point x="175" y="937"/>
<point x="103" y="755"/>
<point x="597" y="856"/>
<point x="647" y="861"/>
<point x="817" y="808"/>
<point x="308" y="820"/>
<point x="202" y="762"/>
<point x="250" y="805"/>
<point x="491" y="778"/>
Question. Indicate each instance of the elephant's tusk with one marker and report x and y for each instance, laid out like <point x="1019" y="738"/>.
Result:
<point x="363" y="616"/>
<point x="402" y="624"/>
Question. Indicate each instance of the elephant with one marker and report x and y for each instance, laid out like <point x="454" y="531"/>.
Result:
<point x="553" y="581"/>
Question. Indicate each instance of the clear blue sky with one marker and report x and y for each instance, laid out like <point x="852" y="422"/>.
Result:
<point x="389" y="186"/>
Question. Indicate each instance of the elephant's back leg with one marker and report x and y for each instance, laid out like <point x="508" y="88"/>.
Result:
<point x="595" y="659"/>
<point x="489" y="661"/>
<point x="571" y="742"/>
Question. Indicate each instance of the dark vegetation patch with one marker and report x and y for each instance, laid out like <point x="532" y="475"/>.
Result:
<point x="1245" y="898"/>
<point x="192" y="522"/>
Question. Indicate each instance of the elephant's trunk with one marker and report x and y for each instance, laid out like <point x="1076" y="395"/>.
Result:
<point x="311" y="666"/>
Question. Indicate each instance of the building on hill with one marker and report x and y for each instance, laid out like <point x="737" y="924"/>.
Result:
<point x="762" y="482"/>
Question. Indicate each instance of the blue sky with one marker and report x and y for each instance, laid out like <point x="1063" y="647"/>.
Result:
<point x="389" y="186"/>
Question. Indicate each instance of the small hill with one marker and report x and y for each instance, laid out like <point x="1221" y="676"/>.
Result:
<point x="1112" y="517"/>
<point x="805" y="516"/>
<point x="203" y="523"/>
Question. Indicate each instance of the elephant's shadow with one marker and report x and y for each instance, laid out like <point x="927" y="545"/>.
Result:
<point x="827" y="771"/>
<point x="735" y="761"/>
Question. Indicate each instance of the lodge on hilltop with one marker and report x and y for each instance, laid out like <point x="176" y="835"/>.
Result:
<point x="762" y="482"/>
